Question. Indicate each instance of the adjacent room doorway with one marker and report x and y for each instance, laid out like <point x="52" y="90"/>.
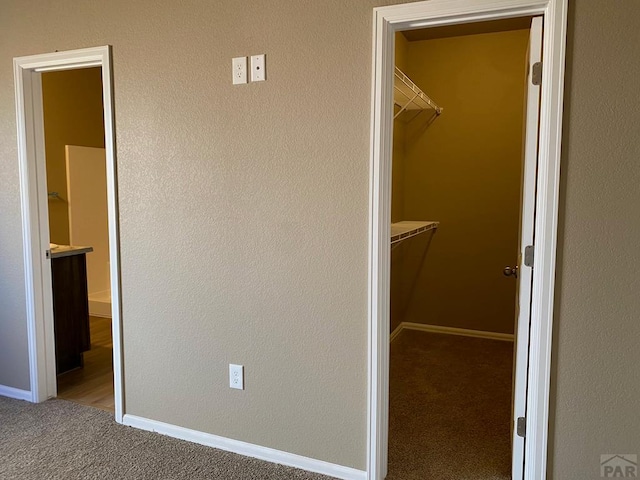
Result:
<point x="45" y="347"/>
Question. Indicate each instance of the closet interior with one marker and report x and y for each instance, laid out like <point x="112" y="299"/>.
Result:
<point x="409" y="99"/>
<point x="458" y="135"/>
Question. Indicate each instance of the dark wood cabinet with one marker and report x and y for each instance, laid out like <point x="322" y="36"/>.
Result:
<point x="70" y="310"/>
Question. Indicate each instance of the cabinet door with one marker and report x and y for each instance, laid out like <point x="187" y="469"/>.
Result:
<point x="71" y="311"/>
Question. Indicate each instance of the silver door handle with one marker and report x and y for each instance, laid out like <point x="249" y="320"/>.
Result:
<point x="510" y="271"/>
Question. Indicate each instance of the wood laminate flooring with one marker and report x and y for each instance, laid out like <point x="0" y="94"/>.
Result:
<point x="92" y="385"/>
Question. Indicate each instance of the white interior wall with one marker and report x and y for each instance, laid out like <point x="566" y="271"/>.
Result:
<point x="88" y="222"/>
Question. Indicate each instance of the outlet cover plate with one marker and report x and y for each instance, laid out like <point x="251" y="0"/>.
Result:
<point x="236" y="376"/>
<point x="239" y="70"/>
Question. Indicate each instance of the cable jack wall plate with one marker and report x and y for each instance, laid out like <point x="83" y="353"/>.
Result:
<point x="258" y="68"/>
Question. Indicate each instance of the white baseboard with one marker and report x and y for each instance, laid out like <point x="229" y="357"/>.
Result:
<point x="15" y="393"/>
<point x="395" y="333"/>
<point x="246" y="449"/>
<point x="505" y="337"/>
<point x="100" y="304"/>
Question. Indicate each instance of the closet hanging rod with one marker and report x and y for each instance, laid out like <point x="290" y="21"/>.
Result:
<point x="408" y="96"/>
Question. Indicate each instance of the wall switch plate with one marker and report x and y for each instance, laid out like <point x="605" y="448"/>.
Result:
<point x="236" y="376"/>
<point x="258" y="68"/>
<point x="239" y="68"/>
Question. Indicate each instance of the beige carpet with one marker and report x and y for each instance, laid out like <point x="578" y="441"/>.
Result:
<point x="67" y="441"/>
<point x="450" y="408"/>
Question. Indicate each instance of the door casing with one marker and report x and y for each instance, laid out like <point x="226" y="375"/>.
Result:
<point x="35" y="215"/>
<point x="387" y="21"/>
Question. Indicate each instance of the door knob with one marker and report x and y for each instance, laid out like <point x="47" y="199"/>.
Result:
<point x="510" y="271"/>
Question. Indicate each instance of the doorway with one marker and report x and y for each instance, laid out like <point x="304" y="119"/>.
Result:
<point x="458" y="168"/>
<point x="75" y="162"/>
<point x="43" y="295"/>
<point x="534" y="396"/>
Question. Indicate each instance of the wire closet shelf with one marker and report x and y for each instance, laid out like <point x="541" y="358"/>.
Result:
<point x="409" y="97"/>
<point x="401" y="231"/>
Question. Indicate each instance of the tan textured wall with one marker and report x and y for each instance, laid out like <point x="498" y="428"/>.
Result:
<point x="72" y="104"/>
<point x="243" y="211"/>
<point x="262" y="219"/>
<point x="596" y="358"/>
<point x="464" y="171"/>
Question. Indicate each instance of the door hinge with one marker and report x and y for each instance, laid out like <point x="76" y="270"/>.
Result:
<point x="47" y="254"/>
<point x="521" y="426"/>
<point x="536" y="73"/>
<point x="528" y="255"/>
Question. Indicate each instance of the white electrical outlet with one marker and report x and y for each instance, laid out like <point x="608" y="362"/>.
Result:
<point x="236" y="376"/>
<point x="258" y="68"/>
<point x="239" y="69"/>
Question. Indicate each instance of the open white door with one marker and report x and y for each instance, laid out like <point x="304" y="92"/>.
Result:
<point x="526" y="249"/>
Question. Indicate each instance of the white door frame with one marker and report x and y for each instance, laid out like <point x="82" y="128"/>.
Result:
<point x="35" y="215"/>
<point x="386" y="21"/>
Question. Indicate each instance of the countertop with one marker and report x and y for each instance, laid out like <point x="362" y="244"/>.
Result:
<point x="68" y="250"/>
